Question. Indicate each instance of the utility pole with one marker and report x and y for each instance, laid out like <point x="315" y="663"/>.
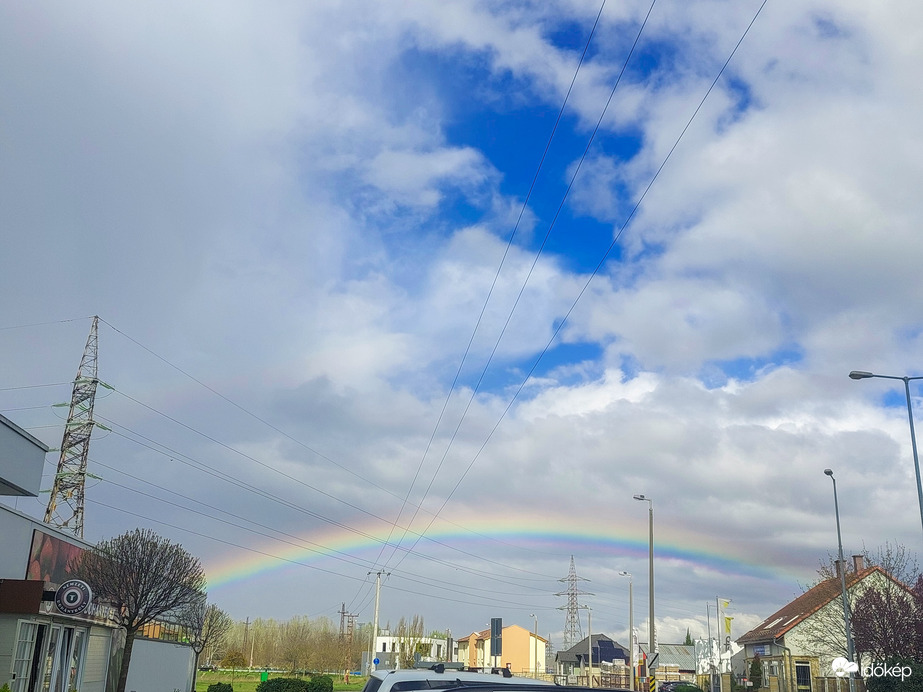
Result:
<point x="374" y="636"/>
<point x="65" y="504"/>
<point x="347" y="628"/>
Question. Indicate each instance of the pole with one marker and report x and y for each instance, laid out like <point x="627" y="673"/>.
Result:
<point x="842" y="570"/>
<point x="913" y="445"/>
<point x="631" y="633"/>
<point x="589" y="626"/>
<point x="631" y="627"/>
<point x="535" y="646"/>
<point x="652" y="646"/>
<point x="863" y="375"/>
<point x="374" y="636"/>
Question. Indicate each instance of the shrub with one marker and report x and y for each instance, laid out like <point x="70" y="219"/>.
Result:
<point x="220" y="687"/>
<point x="321" y="683"/>
<point x="283" y="685"/>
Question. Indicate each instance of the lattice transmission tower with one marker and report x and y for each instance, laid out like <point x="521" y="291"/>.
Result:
<point x="65" y="506"/>
<point x="573" y="632"/>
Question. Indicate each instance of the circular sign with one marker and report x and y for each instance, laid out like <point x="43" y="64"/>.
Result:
<point x="376" y="661"/>
<point x="73" y="597"/>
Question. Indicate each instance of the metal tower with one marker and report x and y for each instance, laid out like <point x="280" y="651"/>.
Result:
<point x="573" y="633"/>
<point x="65" y="506"/>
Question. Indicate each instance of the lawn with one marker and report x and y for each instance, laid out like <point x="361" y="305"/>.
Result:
<point x="247" y="681"/>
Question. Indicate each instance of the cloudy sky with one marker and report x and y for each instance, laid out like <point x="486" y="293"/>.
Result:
<point x="433" y="288"/>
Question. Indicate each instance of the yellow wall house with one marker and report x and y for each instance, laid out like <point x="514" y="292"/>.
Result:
<point x="523" y="652"/>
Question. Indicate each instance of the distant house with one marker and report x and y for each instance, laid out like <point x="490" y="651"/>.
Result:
<point x="523" y="652"/>
<point x="674" y="661"/>
<point x="786" y="641"/>
<point x="570" y="665"/>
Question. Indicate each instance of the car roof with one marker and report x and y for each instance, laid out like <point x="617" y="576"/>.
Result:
<point x="441" y="677"/>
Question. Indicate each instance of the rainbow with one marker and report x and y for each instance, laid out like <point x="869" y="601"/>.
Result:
<point x="532" y="536"/>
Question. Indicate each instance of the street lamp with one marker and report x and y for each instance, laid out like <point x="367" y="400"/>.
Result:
<point x="631" y="627"/>
<point x="650" y="504"/>
<point x="535" y="644"/>
<point x="863" y="375"/>
<point x="589" y="661"/>
<point x="849" y="645"/>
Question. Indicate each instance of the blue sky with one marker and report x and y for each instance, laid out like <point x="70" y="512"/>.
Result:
<point x="305" y="208"/>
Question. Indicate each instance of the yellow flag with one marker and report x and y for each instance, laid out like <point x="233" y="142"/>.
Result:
<point x="727" y="624"/>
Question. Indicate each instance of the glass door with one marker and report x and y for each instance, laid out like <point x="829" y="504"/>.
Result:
<point x="23" y="656"/>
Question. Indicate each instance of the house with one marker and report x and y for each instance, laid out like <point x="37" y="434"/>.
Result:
<point x="674" y="662"/>
<point x="609" y="658"/>
<point x="523" y="652"/>
<point x="787" y="642"/>
<point x="389" y="647"/>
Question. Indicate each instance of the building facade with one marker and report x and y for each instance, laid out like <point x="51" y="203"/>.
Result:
<point x="522" y="651"/>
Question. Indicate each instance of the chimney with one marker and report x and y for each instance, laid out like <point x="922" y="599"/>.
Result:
<point x="839" y="567"/>
<point x="858" y="563"/>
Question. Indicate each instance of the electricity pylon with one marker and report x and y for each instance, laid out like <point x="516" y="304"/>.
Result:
<point x="573" y="633"/>
<point x="65" y="506"/>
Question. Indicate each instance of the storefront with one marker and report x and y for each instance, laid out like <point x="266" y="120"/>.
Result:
<point x="54" y="637"/>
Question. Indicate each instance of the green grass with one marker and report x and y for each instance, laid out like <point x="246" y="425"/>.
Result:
<point x="247" y="681"/>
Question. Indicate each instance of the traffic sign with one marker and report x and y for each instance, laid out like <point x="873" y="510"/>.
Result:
<point x="653" y="660"/>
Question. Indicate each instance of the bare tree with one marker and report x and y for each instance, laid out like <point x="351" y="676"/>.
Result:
<point x="144" y="577"/>
<point x="206" y="625"/>
<point x="409" y="640"/>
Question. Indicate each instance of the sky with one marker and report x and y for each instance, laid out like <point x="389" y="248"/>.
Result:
<point x="430" y="290"/>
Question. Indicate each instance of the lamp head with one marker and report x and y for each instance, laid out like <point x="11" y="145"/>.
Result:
<point x="640" y="497"/>
<point x="860" y="375"/>
<point x="623" y="573"/>
<point x="829" y="472"/>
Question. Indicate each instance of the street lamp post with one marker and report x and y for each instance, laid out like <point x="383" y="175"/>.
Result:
<point x="631" y="627"/>
<point x="589" y="660"/>
<point x="863" y="375"/>
<point x="842" y="570"/>
<point x="650" y="504"/>
<point x="535" y="644"/>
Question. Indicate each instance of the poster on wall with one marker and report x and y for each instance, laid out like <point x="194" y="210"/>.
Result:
<point x="51" y="559"/>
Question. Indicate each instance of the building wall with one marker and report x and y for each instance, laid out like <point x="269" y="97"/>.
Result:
<point x="21" y="460"/>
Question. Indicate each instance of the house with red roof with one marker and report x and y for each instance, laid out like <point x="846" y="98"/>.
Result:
<point x="798" y="643"/>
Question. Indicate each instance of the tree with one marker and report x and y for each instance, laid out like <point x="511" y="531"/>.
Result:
<point x="206" y="624"/>
<point x="756" y="672"/>
<point x="409" y="638"/>
<point x="235" y="660"/>
<point x="688" y="641"/>
<point x="143" y="577"/>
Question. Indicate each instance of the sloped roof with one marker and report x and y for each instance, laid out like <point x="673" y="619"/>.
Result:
<point x="681" y="655"/>
<point x="604" y="648"/>
<point x="483" y="634"/>
<point x="808" y="603"/>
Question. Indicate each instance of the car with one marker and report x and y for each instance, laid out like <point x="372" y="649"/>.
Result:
<point x="442" y="676"/>
<point x="678" y="686"/>
<point x="527" y="685"/>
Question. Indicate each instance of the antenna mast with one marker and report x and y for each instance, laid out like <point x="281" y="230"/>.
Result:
<point x="65" y="506"/>
<point x="573" y="633"/>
